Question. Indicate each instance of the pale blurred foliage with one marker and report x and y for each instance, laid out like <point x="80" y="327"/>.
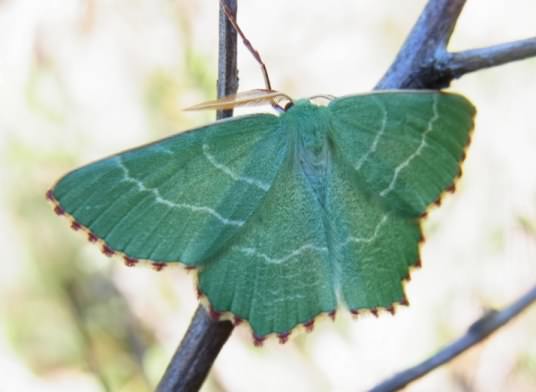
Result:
<point x="82" y="79"/>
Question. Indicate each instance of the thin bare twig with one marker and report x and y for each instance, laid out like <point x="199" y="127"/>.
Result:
<point x="227" y="56"/>
<point x="461" y="63"/>
<point x="205" y="337"/>
<point x="477" y="332"/>
<point x="254" y="52"/>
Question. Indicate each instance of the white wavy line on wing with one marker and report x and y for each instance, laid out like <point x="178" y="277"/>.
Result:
<point x="249" y="180"/>
<point x="159" y="199"/>
<point x="417" y="152"/>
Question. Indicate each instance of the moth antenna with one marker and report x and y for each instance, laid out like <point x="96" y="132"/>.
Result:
<point x="231" y="18"/>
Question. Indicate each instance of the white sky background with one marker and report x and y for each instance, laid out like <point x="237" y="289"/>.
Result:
<point x="476" y="254"/>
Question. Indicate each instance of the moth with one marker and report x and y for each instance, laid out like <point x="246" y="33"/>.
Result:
<point x="284" y="216"/>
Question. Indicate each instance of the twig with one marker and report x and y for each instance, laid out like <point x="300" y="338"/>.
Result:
<point x="205" y="336"/>
<point x="227" y="58"/>
<point x="477" y="332"/>
<point x="461" y="63"/>
<point x="254" y="52"/>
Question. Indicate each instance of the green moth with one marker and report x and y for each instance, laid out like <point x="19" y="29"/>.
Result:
<point x="284" y="216"/>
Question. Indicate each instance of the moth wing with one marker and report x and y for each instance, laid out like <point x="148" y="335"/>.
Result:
<point x="393" y="154"/>
<point x="406" y="146"/>
<point x="178" y="199"/>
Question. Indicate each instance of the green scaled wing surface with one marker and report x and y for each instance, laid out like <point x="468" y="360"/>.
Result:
<point x="179" y="199"/>
<point x="288" y="216"/>
<point x="395" y="154"/>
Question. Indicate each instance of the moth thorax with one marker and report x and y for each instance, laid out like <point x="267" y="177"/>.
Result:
<point x="311" y="124"/>
<point x="314" y="154"/>
<point x="315" y="144"/>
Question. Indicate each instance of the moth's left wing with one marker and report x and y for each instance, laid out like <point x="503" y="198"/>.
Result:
<point x="405" y="146"/>
<point x="178" y="199"/>
<point x="393" y="153"/>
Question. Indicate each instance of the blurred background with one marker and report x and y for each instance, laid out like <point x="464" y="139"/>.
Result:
<point x="80" y="79"/>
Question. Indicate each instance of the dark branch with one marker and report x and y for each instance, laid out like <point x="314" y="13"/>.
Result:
<point x="227" y="59"/>
<point x="478" y="331"/>
<point x="424" y="62"/>
<point x="414" y="65"/>
<point x="205" y="337"/>
<point x="196" y="354"/>
<point x="461" y="63"/>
